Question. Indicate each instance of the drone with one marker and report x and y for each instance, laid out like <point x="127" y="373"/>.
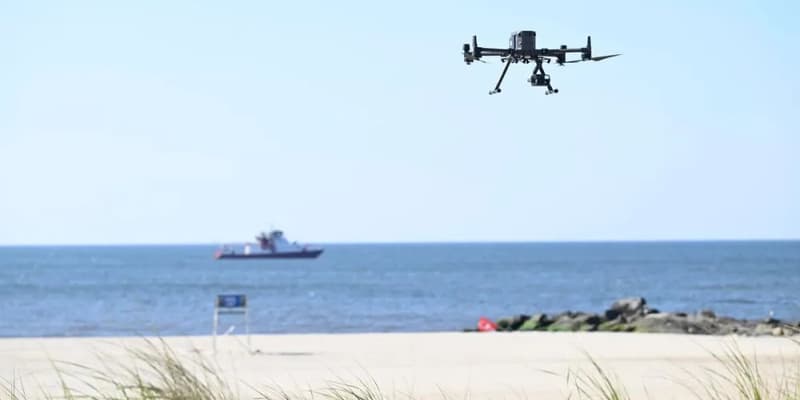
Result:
<point x="522" y="48"/>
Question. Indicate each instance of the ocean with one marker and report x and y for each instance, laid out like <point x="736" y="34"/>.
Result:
<point x="170" y="290"/>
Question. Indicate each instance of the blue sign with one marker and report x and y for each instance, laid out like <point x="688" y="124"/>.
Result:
<point x="231" y="301"/>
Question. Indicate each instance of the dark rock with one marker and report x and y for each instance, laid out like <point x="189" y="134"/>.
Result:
<point x="568" y="314"/>
<point x="536" y="322"/>
<point x="517" y="321"/>
<point x="592" y="319"/>
<point x="633" y="314"/>
<point x="707" y="322"/>
<point x="575" y="322"/>
<point x="631" y="308"/>
<point x="728" y="326"/>
<point x="503" y="324"/>
<point x="511" y="323"/>
<point x="728" y="320"/>
<point x="707" y="314"/>
<point x="707" y="326"/>
<point x="618" y="324"/>
<point x="763" y="329"/>
<point x="743" y="327"/>
<point x="612" y="314"/>
<point x="663" y="323"/>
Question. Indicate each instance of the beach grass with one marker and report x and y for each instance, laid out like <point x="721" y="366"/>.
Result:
<point x="739" y="377"/>
<point x="595" y="383"/>
<point x="153" y="372"/>
<point x="156" y="372"/>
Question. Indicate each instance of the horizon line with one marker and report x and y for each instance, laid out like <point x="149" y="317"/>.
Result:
<point x="431" y="242"/>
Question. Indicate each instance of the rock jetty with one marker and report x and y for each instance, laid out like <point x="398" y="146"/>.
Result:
<point x="634" y="315"/>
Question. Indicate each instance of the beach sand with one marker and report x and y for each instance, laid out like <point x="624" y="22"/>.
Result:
<point x="517" y="365"/>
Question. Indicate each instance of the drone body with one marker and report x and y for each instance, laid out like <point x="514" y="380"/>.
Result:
<point x="522" y="48"/>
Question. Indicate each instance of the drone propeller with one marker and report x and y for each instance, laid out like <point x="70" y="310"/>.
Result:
<point x="598" y="58"/>
<point x="601" y="58"/>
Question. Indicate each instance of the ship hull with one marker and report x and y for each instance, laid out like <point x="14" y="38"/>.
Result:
<point x="278" y="255"/>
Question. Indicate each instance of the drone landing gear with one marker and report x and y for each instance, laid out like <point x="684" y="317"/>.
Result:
<point x="502" y="75"/>
<point x="538" y="78"/>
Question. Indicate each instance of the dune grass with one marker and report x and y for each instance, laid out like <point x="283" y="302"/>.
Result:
<point x="595" y="383"/>
<point x="156" y="372"/>
<point x="739" y="377"/>
<point x="736" y="376"/>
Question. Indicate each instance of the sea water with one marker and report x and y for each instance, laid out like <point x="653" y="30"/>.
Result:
<point x="170" y="290"/>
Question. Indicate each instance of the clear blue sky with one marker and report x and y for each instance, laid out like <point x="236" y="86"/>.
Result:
<point x="207" y="121"/>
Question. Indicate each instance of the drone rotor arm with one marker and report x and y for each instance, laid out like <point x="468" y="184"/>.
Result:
<point x="490" y="52"/>
<point x="559" y="56"/>
<point x="479" y="52"/>
<point x="554" y="52"/>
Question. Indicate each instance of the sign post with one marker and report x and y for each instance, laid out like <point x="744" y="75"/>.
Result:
<point x="231" y="304"/>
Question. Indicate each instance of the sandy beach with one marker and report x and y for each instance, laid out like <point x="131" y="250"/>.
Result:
<point x="421" y="365"/>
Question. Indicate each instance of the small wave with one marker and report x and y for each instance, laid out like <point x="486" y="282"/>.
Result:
<point x="725" y="286"/>
<point x="736" y="301"/>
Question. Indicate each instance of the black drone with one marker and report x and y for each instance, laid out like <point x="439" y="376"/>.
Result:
<point x="522" y="48"/>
